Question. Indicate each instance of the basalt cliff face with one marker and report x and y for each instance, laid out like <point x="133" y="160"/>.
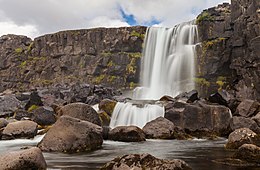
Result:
<point x="229" y="55"/>
<point x="108" y="56"/>
<point x="227" y="58"/>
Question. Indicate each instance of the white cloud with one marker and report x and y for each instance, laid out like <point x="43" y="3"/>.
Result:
<point x="35" y="17"/>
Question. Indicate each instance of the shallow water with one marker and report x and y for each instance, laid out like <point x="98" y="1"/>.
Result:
<point x="197" y="153"/>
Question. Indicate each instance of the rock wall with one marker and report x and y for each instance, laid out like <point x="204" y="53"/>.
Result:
<point x="108" y="56"/>
<point x="229" y="55"/>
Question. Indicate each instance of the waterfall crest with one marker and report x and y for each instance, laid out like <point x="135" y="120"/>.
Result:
<point x="167" y="69"/>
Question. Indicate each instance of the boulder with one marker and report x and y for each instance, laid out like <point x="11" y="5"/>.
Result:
<point x="242" y="136"/>
<point x="23" y="160"/>
<point x="105" y="132"/>
<point x="72" y="135"/>
<point x="20" y="114"/>
<point x="256" y="118"/>
<point x="220" y="97"/>
<point x="249" y="153"/>
<point x="199" y="117"/>
<point x="188" y="97"/>
<point x="43" y="116"/>
<point x="34" y="99"/>
<point x="8" y="104"/>
<point x="242" y="122"/>
<point x="107" y="105"/>
<point x="160" y="128"/>
<point x="144" y="161"/>
<point x="20" y="129"/>
<point x="3" y="123"/>
<point x="104" y="117"/>
<point x="127" y="134"/>
<point x="80" y="111"/>
<point x="248" y="108"/>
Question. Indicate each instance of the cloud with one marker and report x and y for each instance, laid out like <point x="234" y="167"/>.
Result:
<point x="36" y="17"/>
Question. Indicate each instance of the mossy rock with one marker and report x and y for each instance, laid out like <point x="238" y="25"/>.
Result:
<point x="107" y="105"/>
<point x="104" y="117"/>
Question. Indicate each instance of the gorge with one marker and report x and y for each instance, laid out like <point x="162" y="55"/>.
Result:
<point x="194" y="95"/>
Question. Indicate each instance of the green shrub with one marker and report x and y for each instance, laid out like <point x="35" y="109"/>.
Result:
<point x="205" y="16"/>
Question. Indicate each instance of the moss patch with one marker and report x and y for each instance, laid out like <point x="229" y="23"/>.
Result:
<point x="205" y="16"/>
<point x="136" y="34"/>
<point x="202" y="82"/>
<point x="18" y="50"/>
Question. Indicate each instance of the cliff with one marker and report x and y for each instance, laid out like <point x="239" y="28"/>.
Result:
<point x="229" y="55"/>
<point x="108" y="56"/>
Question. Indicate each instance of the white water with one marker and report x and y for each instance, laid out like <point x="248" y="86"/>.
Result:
<point x="167" y="69"/>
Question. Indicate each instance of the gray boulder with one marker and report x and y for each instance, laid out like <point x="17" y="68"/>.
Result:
<point x="23" y="160"/>
<point x="127" y="134"/>
<point x="44" y="116"/>
<point x="242" y="136"/>
<point x="8" y="104"/>
<point x="20" y="129"/>
<point x="242" y="122"/>
<point x="72" y="135"/>
<point x="144" y="161"/>
<point x="80" y="111"/>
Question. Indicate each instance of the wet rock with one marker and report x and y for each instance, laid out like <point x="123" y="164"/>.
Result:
<point x="242" y="136"/>
<point x="20" y="129"/>
<point x="127" y="134"/>
<point x="242" y="122"/>
<point x="144" y="161"/>
<point x="107" y="105"/>
<point x="160" y="128"/>
<point x="199" y="117"/>
<point x="34" y="99"/>
<point x="21" y="114"/>
<point x="167" y="98"/>
<point x="72" y="135"/>
<point x="8" y="104"/>
<point x="256" y="118"/>
<point x="105" y="132"/>
<point x="104" y="117"/>
<point x="248" y="108"/>
<point x="23" y="160"/>
<point x="3" y="123"/>
<point x="80" y="111"/>
<point x="249" y="153"/>
<point x="43" y="116"/>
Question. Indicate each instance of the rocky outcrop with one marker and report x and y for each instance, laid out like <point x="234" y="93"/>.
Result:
<point x="144" y="161"/>
<point x="241" y="122"/>
<point x="23" y="160"/>
<point x="228" y="57"/>
<point x="126" y="134"/>
<point x="109" y="56"/>
<point x="199" y="118"/>
<point x="80" y="111"/>
<point x="242" y="136"/>
<point x="20" y="129"/>
<point x="72" y="135"/>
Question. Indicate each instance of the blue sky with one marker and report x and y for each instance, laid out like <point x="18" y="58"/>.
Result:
<point x="37" y="17"/>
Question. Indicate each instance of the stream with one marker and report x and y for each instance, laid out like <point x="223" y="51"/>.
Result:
<point x="198" y="153"/>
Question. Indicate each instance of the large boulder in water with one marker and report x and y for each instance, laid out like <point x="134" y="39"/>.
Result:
<point x="20" y="129"/>
<point x="162" y="128"/>
<point x="72" y="135"/>
<point x="144" y="161"/>
<point x="80" y="111"/>
<point x="242" y="136"/>
<point x="249" y="153"/>
<point x="43" y="116"/>
<point x="242" y="122"/>
<point x="23" y="160"/>
<point x="199" y="117"/>
<point x="127" y="134"/>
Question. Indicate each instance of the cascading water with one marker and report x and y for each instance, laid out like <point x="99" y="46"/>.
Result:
<point x="167" y="69"/>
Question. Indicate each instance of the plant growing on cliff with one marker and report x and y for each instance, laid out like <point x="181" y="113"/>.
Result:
<point x="18" y="50"/>
<point x="202" y="82"/>
<point x="205" y="16"/>
<point x="136" y="34"/>
<point x="220" y="82"/>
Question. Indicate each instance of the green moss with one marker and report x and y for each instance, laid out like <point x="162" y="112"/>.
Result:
<point x="132" y="85"/>
<point x="30" y="47"/>
<point x="110" y="64"/>
<point x="202" y="82"/>
<point x="210" y="44"/>
<point x="99" y="79"/>
<point x="23" y="64"/>
<point x="106" y="54"/>
<point x="205" y="16"/>
<point x="135" y="55"/>
<point x="18" y="50"/>
<point x="221" y="80"/>
<point x="32" y="108"/>
<point x="136" y="34"/>
<point x="131" y="67"/>
<point x="111" y="78"/>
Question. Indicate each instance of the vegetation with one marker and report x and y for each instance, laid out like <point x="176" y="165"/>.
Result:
<point x="205" y="16"/>
<point x="136" y="34"/>
<point x="23" y="64"/>
<point x="99" y="79"/>
<point x="202" y="81"/>
<point x="18" y="50"/>
<point x="220" y="82"/>
<point x="32" y="108"/>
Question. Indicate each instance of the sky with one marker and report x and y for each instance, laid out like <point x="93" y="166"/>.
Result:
<point x="37" y="17"/>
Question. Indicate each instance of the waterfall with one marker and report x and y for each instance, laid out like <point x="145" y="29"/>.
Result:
<point x="167" y="69"/>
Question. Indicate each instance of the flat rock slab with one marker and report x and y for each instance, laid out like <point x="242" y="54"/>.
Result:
<point x="23" y="160"/>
